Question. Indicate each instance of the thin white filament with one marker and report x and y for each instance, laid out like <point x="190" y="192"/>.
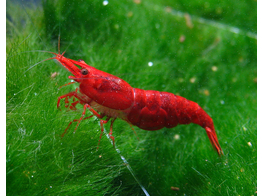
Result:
<point x="127" y="165"/>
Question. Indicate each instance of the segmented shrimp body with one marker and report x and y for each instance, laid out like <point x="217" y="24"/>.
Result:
<point x="106" y="95"/>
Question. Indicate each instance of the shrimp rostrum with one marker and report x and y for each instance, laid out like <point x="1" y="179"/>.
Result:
<point x="109" y="97"/>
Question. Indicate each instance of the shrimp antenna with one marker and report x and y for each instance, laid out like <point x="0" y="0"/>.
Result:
<point x="43" y="51"/>
<point x="38" y="63"/>
<point x="59" y="44"/>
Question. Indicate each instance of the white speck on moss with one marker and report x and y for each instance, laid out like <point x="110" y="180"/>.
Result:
<point x="105" y="2"/>
<point x="176" y="136"/>
<point x="192" y="80"/>
<point x="214" y="68"/>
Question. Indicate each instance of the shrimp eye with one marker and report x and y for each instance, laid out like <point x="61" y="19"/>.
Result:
<point x="80" y="60"/>
<point x="84" y="71"/>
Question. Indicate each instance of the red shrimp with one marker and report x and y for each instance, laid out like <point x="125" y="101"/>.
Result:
<point x="106" y="95"/>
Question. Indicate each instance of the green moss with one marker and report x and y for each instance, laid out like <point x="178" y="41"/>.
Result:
<point x="204" y="62"/>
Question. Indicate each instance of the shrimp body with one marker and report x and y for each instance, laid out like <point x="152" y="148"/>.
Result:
<point x="106" y="95"/>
